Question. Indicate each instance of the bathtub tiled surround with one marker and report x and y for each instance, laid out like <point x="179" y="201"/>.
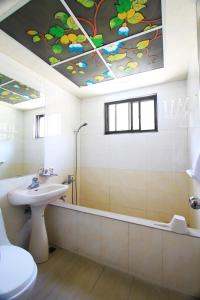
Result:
<point x="139" y="174"/>
<point x="160" y="257"/>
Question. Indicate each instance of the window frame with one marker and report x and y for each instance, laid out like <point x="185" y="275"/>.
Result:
<point x="37" y="126"/>
<point x="130" y="113"/>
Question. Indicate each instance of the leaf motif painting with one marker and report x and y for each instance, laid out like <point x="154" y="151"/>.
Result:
<point x="106" y="21"/>
<point x="87" y="70"/>
<point x="136" y="55"/>
<point x="47" y="29"/>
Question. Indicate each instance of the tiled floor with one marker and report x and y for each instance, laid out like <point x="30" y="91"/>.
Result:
<point x="69" y="276"/>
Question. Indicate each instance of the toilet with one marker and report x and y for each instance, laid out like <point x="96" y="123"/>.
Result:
<point x="18" y="271"/>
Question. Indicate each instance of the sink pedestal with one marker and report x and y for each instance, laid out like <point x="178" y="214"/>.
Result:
<point x="39" y="246"/>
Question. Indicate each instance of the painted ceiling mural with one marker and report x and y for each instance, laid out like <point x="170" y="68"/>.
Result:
<point x="13" y="92"/>
<point x="91" y="41"/>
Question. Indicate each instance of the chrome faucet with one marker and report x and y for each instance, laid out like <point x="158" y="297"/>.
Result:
<point x="35" y="184"/>
<point x="194" y="202"/>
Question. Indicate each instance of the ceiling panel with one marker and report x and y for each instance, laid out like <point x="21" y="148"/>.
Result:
<point x="107" y="21"/>
<point x="4" y="79"/>
<point x="86" y="70"/>
<point x="47" y="29"/>
<point x="22" y="90"/>
<point x="9" y="97"/>
<point x="135" y="55"/>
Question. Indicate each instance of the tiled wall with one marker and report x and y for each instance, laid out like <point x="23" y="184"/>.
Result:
<point x="193" y="88"/>
<point x="11" y="141"/>
<point x="160" y="257"/>
<point x="137" y="174"/>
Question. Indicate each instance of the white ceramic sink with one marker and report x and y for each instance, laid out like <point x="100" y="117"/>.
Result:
<point x="44" y="194"/>
<point x="38" y="198"/>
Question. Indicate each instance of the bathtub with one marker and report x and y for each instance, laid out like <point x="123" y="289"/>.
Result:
<point x="147" y="249"/>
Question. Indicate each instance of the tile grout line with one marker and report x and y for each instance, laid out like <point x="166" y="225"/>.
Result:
<point x="98" y="278"/>
<point x="107" y="45"/>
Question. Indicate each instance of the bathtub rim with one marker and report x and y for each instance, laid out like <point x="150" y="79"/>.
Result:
<point x="193" y="232"/>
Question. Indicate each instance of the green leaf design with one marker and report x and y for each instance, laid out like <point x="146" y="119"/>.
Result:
<point x="36" y="39"/>
<point x="86" y="3"/>
<point x="137" y="18"/>
<point x="140" y="55"/>
<point x="48" y="36"/>
<point x="116" y="22"/>
<point x="132" y="65"/>
<point x="72" y="24"/>
<point x="56" y="31"/>
<point x="123" y="6"/>
<point x="142" y="1"/>
<point x="80" y="38"/>
<point x="53" y="60"/>
<point x="32" y="32"/>
<point x="138" y="6"/>
<point x="69" y="68"/>
<point x="57" y="48"/>
<point x="63" y="17"/>
<point x="150" y="27"/>
<point x="143" y="44"/>
<point x="97" y="40"/>
<point x="116" y="57"/>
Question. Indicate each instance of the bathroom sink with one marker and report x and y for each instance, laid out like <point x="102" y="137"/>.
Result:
<point x="38" y="198"/>
<point x="44" y="194"/>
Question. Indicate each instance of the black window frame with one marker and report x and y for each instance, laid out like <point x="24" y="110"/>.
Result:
<point x="37" y="126"/>
<point x="131" y="101"/>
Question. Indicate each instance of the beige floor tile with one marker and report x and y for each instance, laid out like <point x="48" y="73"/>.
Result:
<point x="141" y="290"/>
<point x="112" y="285"/>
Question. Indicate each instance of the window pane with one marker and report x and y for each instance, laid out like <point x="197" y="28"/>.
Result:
<point x="112" y="117"/>
<point x="136" y="116"/>
<point x="41" y="127"/>
<point x="147" y="115"/>
<point x="122" y="113"/>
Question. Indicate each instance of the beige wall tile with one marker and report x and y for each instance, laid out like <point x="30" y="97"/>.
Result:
<point x="145" y="253"/>
<point x="89" y="235"/>
<point x="114" y="244"/>
<point x="181" y="263"/>
<point x="62" y="227"/>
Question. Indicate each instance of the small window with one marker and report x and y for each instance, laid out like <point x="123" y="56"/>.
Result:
<point x="39" y="126"/>
<point x="133" y="115"/>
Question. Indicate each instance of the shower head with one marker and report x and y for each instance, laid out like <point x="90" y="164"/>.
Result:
<point x="84" y="124"/>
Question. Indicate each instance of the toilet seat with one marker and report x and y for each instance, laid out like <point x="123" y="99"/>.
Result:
<point x="17" y="271"/>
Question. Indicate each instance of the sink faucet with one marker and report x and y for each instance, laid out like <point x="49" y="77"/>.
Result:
<point x="35" y="183"/>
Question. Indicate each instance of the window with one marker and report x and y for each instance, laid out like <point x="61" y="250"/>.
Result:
<point x="133" y="115"/>
<point x="39" y="126"/>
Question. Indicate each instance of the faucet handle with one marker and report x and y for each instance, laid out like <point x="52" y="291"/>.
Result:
<point x="35" y="179"/>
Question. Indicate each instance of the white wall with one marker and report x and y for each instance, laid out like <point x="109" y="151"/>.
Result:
<point x="193" y="90"/>
<point x="33" y="148"/>
<point x="11" y="141"/>
<point x="139" y="174"/>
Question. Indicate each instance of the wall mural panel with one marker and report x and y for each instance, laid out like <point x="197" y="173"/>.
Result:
<point x="52" y="31"/>
<point x="15" y="92"/>
<point x="135" y="55"/>
<point x="86" y="70"/>
<point x="107" y="21"/>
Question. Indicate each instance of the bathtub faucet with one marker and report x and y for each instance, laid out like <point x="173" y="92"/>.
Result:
<point x="194" y="202"/>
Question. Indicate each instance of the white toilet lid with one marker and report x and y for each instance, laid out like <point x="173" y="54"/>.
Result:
<point x="17" y="268"/>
